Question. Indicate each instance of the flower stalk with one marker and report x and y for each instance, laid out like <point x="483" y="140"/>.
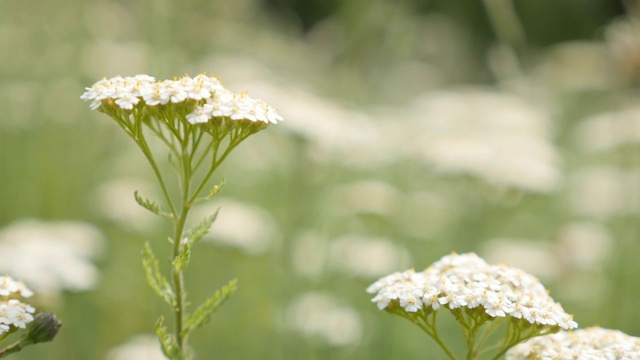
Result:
<point x="199" y="122"/>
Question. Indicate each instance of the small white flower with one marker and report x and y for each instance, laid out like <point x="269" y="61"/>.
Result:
<point x="200" y="115"/>
<point x="126" y="101"/>
<point x="410" y="301"/>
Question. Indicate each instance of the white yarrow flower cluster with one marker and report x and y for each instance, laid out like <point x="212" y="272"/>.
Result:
<point x="210" y="98"/>
<point x="585" y="344"/>
<point x="13" y="312"/>
<point x="467" y="281"/>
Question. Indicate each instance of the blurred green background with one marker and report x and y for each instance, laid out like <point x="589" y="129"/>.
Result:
<point x="413" y="128"/>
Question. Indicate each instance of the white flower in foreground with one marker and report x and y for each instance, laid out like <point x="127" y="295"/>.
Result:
<point x="13" y="312"/>
<point x="204" y="96"/>
<point x="59" y="254"/>
<point x="585" y="344"/>
<point x="464" y="281"/>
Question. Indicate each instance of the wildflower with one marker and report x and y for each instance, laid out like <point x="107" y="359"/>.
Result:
<point x="59" y="255"/>
<point x="200" y="123"/>
<point x="590" y="343"/>
<point x="13" y="312"/>
<point x="476" y="293"/>
<point x="203" y="97"/>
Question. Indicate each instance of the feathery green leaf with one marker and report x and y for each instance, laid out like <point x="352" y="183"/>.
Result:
<point x="202" y="314"/>
<point x="156" y="280"/>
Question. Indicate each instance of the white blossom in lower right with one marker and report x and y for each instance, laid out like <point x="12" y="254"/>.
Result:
<point x="468" y="281"/>
<point x="586" y="344"/>
<point x="476" y="294"/>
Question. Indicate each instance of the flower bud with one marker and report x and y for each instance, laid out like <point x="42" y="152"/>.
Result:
<point x="43" y="328"/>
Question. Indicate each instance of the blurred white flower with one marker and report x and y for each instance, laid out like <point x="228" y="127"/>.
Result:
<point x="58" y="254"/>
<point x="247" y="227"/>
<point x="609" y="131"/>
<point x="535" y="257"/>
<point x="336" y="132"/>
<point x="497" y="137"/>
<point x="366" y="257"/>
<point x="115" y="200"/>
<point x="443" y="212"/>
<point x="309" y="254"/>
<point x="584" y="244"/>
<point x="140" y="347"/>
<point x="317" y="315"/>
<point x="365" y="197"/>
<point x="604" y="191"/>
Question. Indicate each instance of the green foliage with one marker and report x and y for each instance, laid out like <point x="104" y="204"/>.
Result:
<point x="150" y="205"/>
<point x="203" y="313"/>
<point x="201" y="229"/>
<point x="192" y="236"/>
<point x="156" y="280"/>
<point x="180" y="262"/>
<point x="167" y="341"/>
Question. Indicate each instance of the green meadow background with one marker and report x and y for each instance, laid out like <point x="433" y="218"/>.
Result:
<point x="350" y="186"/>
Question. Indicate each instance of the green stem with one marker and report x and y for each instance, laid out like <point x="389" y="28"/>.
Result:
<point x="505" y="22"/>
<point x="178" y="274"/>
<point x="142" y="144"/>
<point x="214" y="165"/>
<point x="15" y="347"/>
<point x="431" y="330"/>
<point x="178" y="280"/>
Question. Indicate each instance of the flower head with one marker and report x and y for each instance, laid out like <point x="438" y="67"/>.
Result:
<point x="467" y="281"/>
<point x="14" y="313"/>
<point x="203" y="96"/>
<point x="588" y="344"/>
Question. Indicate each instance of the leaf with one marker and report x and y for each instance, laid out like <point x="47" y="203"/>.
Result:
<point x="202" y="228"/>
<point x="181" y="261"/>
<point x="150" y="205"/>
<point x="167" y="341"/>
<point x="202" y="315"/>
<point x="156" y="280"/>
